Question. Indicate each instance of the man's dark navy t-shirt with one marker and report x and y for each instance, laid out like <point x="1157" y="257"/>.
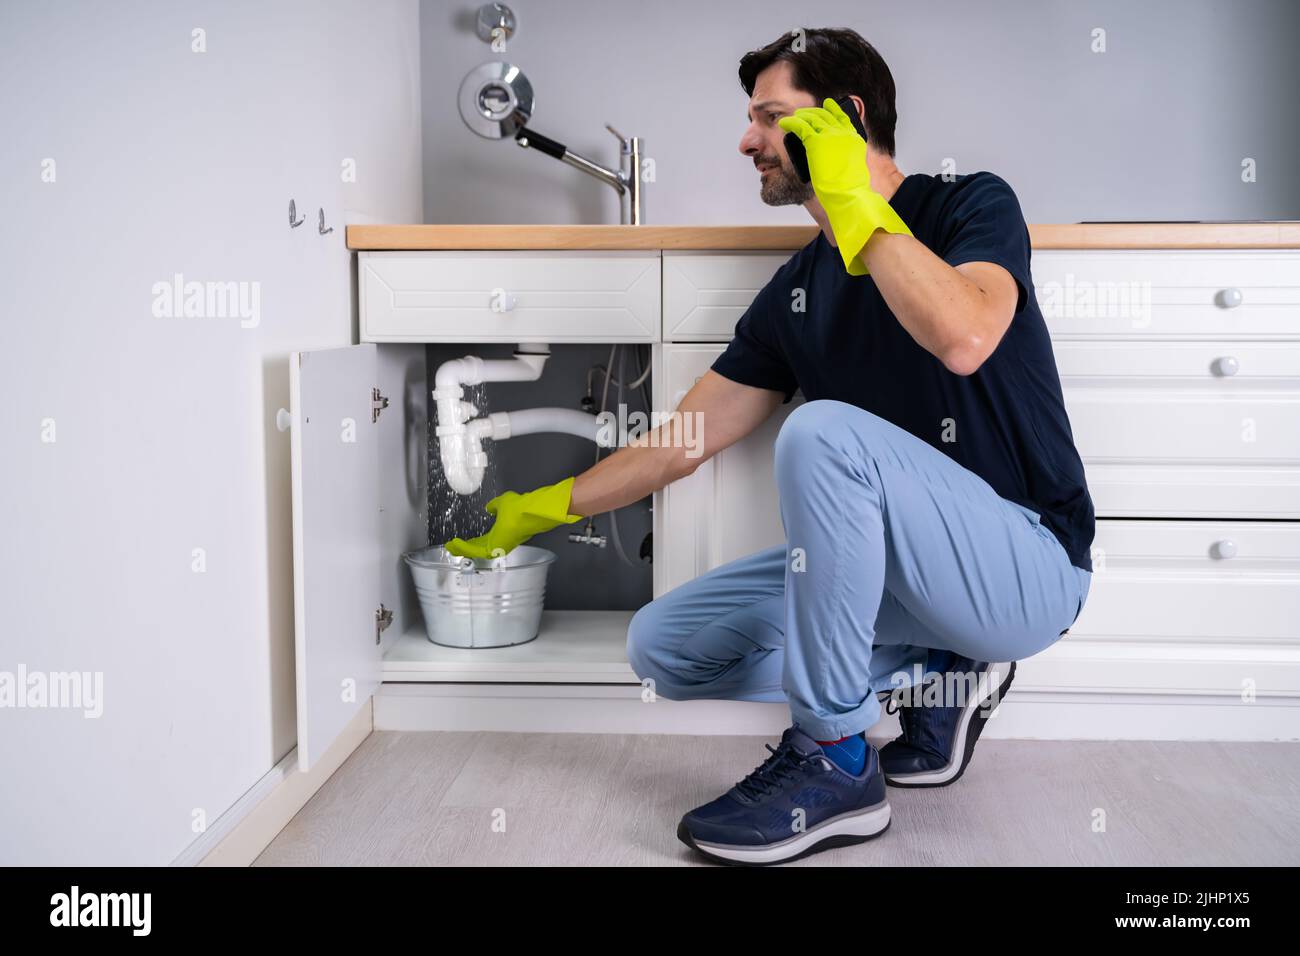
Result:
<point x="1010" y="421"/>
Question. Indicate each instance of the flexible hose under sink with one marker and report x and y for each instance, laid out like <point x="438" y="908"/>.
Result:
<point x="613" y="515"/>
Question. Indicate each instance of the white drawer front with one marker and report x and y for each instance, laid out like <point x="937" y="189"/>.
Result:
<point x="1180" y="294"/>
<point x="540" y="296"/>
<point x="1193" y="581"/>
<point x="1186" y="428"/>
<point x="706" y="293"/>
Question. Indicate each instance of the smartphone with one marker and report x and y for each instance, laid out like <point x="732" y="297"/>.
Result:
<point x="794" y="145"/>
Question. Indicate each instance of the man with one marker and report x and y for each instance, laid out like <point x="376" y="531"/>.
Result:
<point x="937" y="518"/>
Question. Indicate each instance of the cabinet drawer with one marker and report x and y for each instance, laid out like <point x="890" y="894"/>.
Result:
<point x="509" y="296"/>
<point x="705" y="293"/>
<point x="1193" y="581"/>
<point x="1186" y="428"/>
<point x="1180" y="294"/>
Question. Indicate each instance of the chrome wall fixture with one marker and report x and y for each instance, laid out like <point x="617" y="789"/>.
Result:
<point x="496" y="102"/>
<point x="495" y="25"/>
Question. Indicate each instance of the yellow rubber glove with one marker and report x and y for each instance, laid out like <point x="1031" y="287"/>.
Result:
<point x="519" y="517"/>
<point x="837" y="165"/>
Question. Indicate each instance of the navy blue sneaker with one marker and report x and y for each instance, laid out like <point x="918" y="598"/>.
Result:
<point x="795" y="803"/>
<point x="941" y="720"/>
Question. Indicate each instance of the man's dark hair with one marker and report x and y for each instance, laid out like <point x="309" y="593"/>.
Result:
<point x="832" y="63"/>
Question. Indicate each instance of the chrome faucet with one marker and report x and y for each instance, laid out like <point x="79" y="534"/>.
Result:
<point x="496" y="101"/>
<point x="626" y="181"/>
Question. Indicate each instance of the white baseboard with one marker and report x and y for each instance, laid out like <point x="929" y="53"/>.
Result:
<point x="619" y="709"/>
<point x="1062" y="716"/>
<point x="240" y="834"/>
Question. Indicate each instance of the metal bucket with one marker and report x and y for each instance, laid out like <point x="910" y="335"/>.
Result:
<point x="477" y="602"/>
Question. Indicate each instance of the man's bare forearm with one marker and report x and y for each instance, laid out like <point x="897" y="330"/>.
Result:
<point x="640" y="468"/>
<point x="941" y="308"/>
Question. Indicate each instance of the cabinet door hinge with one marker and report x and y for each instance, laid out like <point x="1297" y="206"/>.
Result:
<point x="377" y="404"/>
<point x="383" y="617"/>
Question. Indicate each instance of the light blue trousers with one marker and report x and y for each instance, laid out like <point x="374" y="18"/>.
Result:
<point x="892" y="549"/>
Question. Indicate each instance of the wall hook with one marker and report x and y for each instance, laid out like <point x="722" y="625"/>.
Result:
<point x="495" y="25"/>
<point x="323" y="230"/>
<point x="293" y="214"/>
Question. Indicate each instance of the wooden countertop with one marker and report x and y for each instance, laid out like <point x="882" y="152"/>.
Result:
<point x="1243" y="235"/>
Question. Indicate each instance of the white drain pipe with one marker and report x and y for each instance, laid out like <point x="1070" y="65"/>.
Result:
<point x="460" y="435"/>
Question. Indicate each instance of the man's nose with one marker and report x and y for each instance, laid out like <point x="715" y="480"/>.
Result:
<point x="751" y="144"/>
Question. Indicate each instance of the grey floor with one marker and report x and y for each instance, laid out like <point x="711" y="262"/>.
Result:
<point x="496" y="799"/>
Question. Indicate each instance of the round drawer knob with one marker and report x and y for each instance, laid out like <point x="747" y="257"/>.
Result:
<point x="1230" y="298"/>
<point x="283" y="420"/>
<point x="1225" y="366"/>
<point x="1224" y="549"/>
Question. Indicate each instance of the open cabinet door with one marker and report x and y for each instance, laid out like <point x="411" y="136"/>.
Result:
<point x="336" y="545"/>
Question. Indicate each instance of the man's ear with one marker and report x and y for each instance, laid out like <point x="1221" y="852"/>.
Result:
<point x="862" y="111"/>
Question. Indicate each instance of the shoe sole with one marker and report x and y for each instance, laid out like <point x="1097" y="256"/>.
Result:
<point x="969" y="729"/>
<point x="846" y="830"/>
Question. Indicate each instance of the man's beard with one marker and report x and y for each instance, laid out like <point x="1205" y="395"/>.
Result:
<point x="781" y="187"/>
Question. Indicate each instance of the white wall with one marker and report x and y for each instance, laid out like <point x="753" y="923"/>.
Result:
<point x="1154" y="128"/>
<point x="169" y="161"/>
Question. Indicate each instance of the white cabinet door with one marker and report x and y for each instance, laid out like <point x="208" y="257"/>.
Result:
<point x="336" y="540"/>
<point x="728" y="508"/>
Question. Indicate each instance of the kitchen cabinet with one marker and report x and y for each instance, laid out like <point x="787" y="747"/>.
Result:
<point x="1181" y="374"/>
<point x="1180" y="369"/>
